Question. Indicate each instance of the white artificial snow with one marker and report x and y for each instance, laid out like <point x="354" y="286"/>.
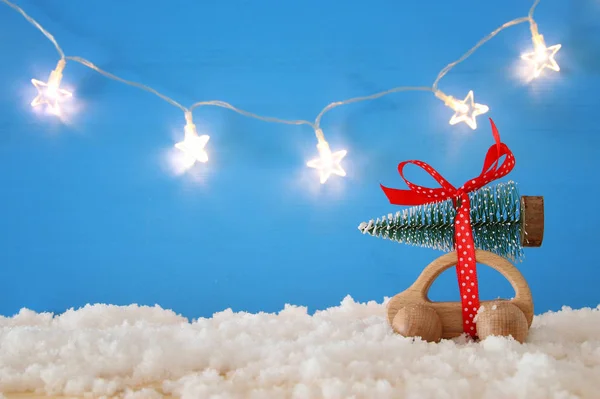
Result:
<point x="343" y="352"/>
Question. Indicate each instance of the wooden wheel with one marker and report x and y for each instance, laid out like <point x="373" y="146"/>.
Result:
<point x="418" y="320"/>
<point x="502" y="318"/>
<point x="450" y="313"/>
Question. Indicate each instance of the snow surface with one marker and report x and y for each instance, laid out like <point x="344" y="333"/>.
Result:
<point x="348" y="351"/>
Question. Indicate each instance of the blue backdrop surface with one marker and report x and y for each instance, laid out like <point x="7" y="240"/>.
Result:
<point x="91" y="210"/>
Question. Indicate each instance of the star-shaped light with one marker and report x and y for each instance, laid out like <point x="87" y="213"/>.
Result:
<point x="50" y="93"/>
<point x="542" y="57"/>
<point x="466" y="110"/>
<point x="328" y="163"/>
<point x="193" y="145"/>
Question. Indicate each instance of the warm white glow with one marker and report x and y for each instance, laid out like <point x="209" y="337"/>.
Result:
<point x="193" y="145"/>
<point x="50" y="93"/>
<point x="328" y="163"/>
<point x="542" y="57"/>
<point x="466" y="110"/>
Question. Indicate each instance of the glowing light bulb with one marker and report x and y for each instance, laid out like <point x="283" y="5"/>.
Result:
<point x="542" y="57"/>
<point x="193" y="144"/>
<point x="328" y="163"/>
<point x="50" y="93"/>
<point x="465" y="111"/>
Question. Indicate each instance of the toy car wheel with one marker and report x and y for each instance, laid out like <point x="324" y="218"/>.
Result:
<point x="501" y="318"/>
<point x="418" y="320"/>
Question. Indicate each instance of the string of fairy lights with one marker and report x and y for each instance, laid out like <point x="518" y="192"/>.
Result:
<point x="193" y="145"/>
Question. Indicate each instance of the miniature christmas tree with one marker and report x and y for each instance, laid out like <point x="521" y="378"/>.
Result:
<point x="496" y="219"/>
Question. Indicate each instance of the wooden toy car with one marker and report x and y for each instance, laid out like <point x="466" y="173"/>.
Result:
<point x="412" y="314"/>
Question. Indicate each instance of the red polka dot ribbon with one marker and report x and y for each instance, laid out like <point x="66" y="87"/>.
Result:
<point x="463" y="235"/>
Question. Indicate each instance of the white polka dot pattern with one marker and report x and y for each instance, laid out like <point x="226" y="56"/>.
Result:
<point x="466" y="267"/>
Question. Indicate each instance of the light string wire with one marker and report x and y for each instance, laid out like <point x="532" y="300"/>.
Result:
<point x="466" y="110"/>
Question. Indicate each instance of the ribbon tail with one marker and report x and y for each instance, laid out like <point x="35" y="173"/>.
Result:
<point x="496" y="135"/>
<point x="495" y="131"/>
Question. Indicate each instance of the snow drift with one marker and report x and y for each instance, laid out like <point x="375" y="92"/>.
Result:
<point x="347" y="351"/>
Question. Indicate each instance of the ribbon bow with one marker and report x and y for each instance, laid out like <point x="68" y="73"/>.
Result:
<point x="463" y="234"/>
